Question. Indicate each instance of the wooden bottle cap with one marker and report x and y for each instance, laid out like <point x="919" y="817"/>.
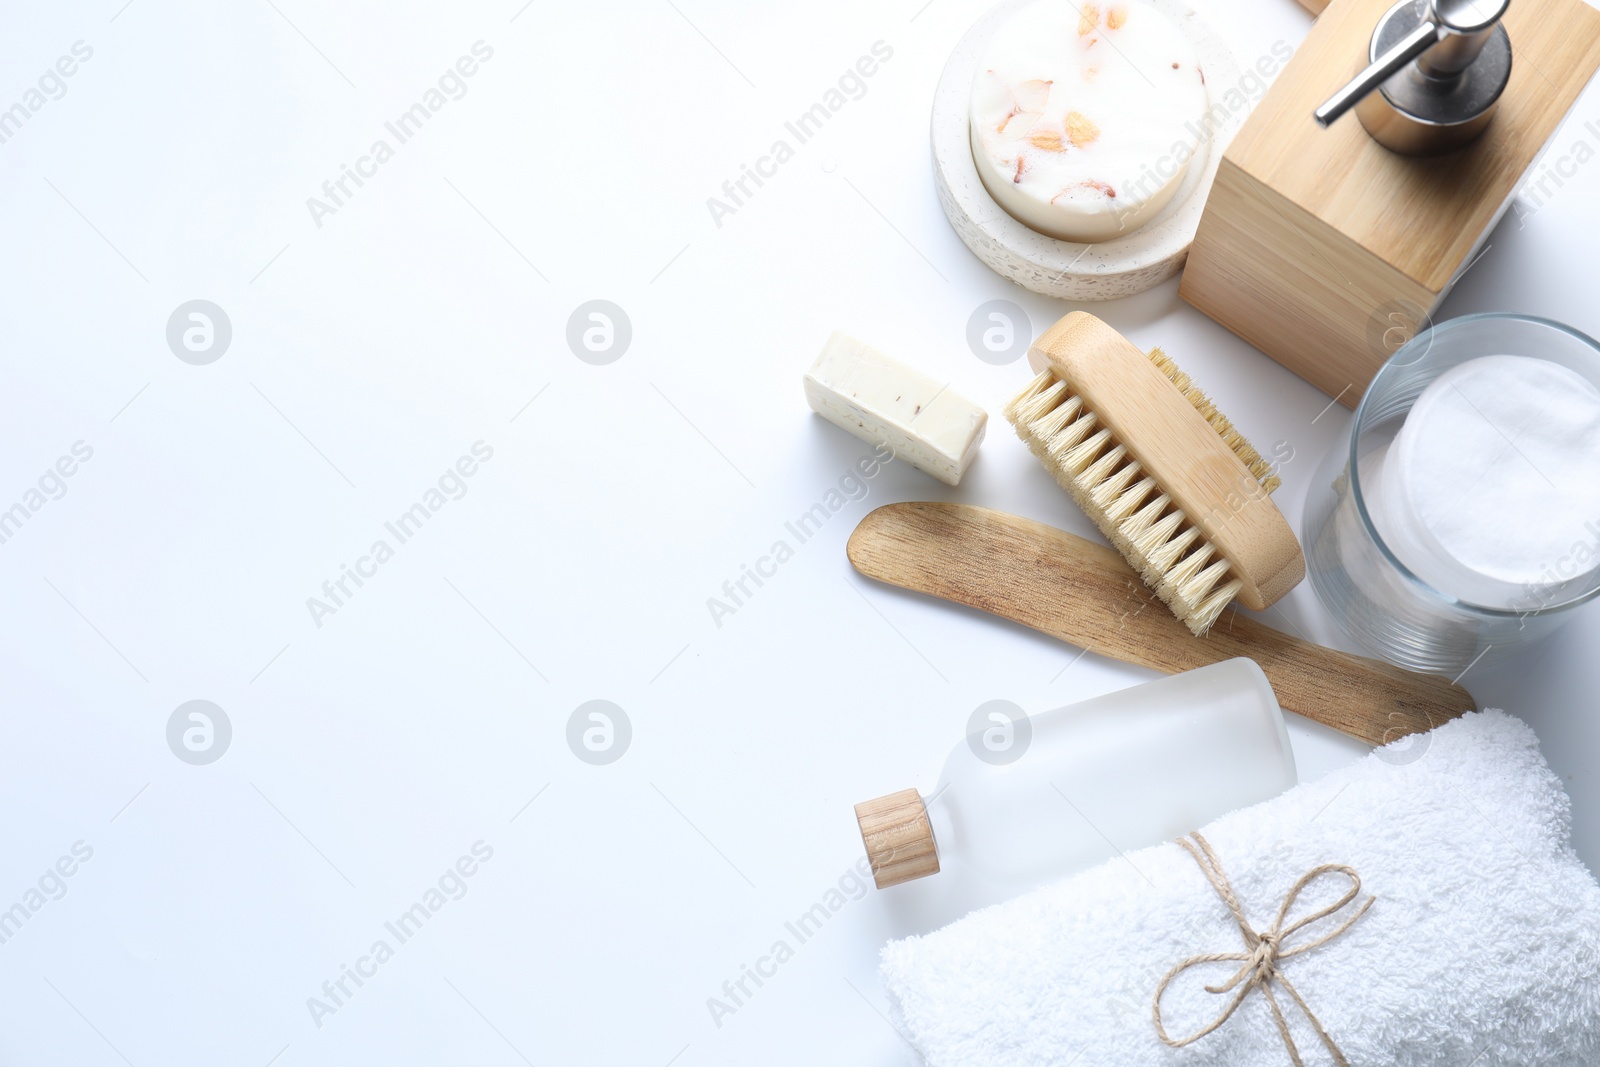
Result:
<point x="899" y="838"/>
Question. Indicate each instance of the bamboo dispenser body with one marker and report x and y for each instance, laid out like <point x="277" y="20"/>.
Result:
<point x="1326" y="250"/>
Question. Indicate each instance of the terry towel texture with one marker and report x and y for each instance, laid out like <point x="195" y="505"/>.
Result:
<point x="1483" y="946"/>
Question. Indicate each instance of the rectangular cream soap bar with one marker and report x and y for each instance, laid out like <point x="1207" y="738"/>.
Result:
<point x="881" y="400"/>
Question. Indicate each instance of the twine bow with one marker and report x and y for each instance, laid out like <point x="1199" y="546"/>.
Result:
<point x="1265" y="949"/>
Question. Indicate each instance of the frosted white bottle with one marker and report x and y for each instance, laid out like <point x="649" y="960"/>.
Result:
<point x="1025" y="803"/>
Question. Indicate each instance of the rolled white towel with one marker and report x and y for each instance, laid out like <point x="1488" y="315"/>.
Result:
<point x="1482" y="945"/>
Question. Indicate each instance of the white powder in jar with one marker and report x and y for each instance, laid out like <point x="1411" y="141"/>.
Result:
<point x="1490" y="492"/>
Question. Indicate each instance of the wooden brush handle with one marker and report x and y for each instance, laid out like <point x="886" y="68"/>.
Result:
<point x="1086" y="595"/>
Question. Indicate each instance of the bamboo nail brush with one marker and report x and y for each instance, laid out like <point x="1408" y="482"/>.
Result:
<point x="1169" y="481"/>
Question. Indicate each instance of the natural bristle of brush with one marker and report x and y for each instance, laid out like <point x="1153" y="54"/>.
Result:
<point x="1128" y="506"/>
<point x="1142" y="510"/>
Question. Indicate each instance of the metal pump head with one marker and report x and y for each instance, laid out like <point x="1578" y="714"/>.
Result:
<point x="1437" y="70"/>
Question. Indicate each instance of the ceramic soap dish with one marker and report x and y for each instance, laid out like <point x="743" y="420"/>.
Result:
<point x="1068" y="270"/>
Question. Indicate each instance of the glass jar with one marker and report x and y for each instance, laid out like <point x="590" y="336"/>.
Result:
<point x="1380" y="602"/>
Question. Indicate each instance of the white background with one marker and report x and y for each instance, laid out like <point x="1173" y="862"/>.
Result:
<point x="371" y="752"/>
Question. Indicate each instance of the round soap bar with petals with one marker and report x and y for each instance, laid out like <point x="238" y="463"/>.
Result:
<point x="1084" y="118"/>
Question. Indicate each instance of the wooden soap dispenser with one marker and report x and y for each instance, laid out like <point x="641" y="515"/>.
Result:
<point x="1327" y="244"/>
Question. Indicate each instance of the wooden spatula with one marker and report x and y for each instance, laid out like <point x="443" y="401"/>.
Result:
<point x="1087" y="595"/>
